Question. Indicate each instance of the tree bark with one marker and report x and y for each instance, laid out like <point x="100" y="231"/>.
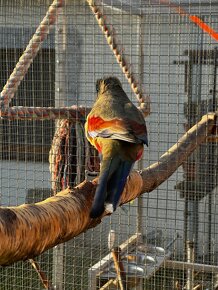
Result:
<point x="30" y="229"/>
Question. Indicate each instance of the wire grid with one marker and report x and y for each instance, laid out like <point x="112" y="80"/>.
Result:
<point x="172" y="58"/>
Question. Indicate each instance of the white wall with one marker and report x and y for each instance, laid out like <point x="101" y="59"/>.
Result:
<point x="17" y="177"/>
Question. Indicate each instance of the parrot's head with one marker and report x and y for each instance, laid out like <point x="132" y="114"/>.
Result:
<point x="102" y="85"/>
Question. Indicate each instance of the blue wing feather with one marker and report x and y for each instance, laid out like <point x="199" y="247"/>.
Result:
<point x="117" y="182"/>
<point x="111" y="184"/>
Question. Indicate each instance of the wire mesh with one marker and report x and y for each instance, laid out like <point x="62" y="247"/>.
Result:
<point x="169" y="235"/>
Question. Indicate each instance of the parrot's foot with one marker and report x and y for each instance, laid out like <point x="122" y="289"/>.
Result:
<point x="109" y="207"/>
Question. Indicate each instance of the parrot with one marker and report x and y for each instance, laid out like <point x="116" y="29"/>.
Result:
<point x="117" y="129"/>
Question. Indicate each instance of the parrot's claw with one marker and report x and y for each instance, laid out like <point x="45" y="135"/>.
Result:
<point x="109" y="208"/>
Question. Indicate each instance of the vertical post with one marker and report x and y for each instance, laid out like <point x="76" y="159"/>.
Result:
<point x="141" y="43"/>
<point x="191" y="243"/>
<point x="140" y="33"/>
<point x="60" y="59"/>
<point x="213" y="164"/>
<point x="190" y="259"/>
<point x="60" y="98"/>
<point x="194" y="96"/>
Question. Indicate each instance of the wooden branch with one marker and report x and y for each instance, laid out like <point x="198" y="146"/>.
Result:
<point x="28" y="230"/>
<point x="42" y="276"/>
<point x="118" y="264"/>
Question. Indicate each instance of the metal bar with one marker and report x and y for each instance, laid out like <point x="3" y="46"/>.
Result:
<point x="190" y="259"/>
<point x="178" y="265"/>
<point x="213" y="153"/>
<point x="59" y="252"/>
<point x="215" y="77"/>
<point x="194" y="94"/>
<point x="140" y="33"/>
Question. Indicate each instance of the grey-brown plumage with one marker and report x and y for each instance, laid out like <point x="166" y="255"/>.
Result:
<point x="116" y="128"/>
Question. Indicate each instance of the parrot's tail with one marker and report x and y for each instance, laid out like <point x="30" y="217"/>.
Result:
<point x="112" y="179"/>
<point x="100" y="196"/>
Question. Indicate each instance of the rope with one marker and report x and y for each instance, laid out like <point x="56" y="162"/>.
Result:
<point x="45" y="113"/>
<point x="118" y="52"/>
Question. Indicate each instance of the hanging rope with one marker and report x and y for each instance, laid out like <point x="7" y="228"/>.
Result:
<point x="70" y="155"/>
<point x="110" y="36"/>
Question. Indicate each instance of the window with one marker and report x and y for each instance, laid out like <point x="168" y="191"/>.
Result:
<point x="28" y="140"/>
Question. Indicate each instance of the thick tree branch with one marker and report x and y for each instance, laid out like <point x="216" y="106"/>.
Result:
<point x="28" y="230"/>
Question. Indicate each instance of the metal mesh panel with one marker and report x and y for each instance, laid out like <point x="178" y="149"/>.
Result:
<point x="171" y="46"/>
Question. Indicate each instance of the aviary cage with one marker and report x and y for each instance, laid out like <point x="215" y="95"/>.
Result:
<point x="165" y="54"/>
